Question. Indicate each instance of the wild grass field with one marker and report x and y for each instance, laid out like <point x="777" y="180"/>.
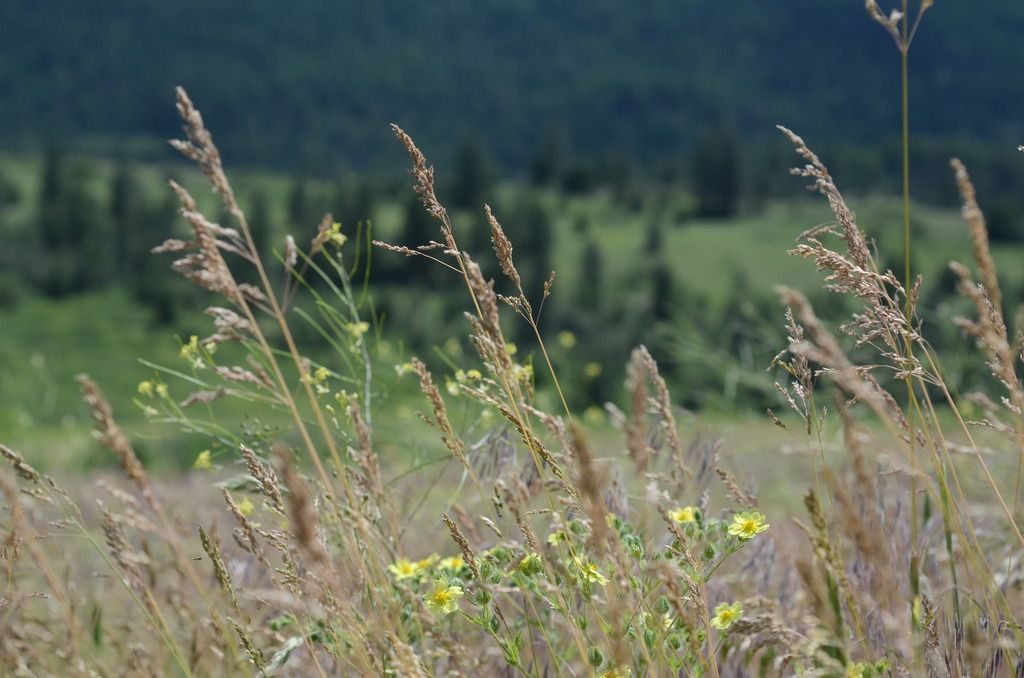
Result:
<point x="300" y="464"/>
<point x="715" y="263"/>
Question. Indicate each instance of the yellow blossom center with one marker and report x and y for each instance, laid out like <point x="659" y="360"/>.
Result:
<point x="443" y="597"/>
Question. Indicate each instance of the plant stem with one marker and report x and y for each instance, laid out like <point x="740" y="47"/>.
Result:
<point x="905" y="89"/>
<point x="905" y="125"/>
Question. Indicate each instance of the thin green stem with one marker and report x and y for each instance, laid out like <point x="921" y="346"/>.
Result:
<point x="905" y="91"/>
<point x="905" y="125"/>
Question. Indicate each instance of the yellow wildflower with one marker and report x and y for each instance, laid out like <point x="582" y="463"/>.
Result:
<point x="566" y="339"/>
<point x="856" y="670"/>
<point x="203" y="462"/>
<point x="190" y="350"/>
<point x="161" y="390"/>
<point x="146" y="388"/>
<point x="530" y="564"/>
<point x="747" y="525"/>
<point x="557" y="537"/>
<point x="335" y="235"/>
<point x="453" y="563"/>
<point x="683" y="514"/>
<point x="317" y="379"/>
<point x="452" y="347"/>
<point x="618" y="672"/>
<point x="511" y="348"/>
<point x="474" y="375"/>
<point x="665" y="621"/>
<point x="524" y="373"/>
<point x="357" y="329"/>
<point x="589" y="572"/>
<point x="592" y="370"/>
<point x="726" y="615"/>
<point x="246" y="507"/>
<point x="443" y="599"/>
<point x="428" y="562"/>
<point x="403" y="568"/>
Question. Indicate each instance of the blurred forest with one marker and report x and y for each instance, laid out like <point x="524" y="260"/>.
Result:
<point x="629" y="146"/>
<point x="311" y="89"/>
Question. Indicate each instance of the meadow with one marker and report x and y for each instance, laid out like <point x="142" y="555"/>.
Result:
<point x="628" y="548"/>
<point x="606" y="425"/>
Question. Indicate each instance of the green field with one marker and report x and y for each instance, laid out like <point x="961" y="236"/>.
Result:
<point x="46" y="342"/>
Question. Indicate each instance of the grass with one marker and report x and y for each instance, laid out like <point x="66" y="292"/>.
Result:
<point x="106" y="332"/>
<point x="494" y="532"/>
<point x="499" y="531"/>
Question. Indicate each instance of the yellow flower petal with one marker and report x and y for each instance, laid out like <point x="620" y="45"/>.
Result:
<point x="203" y="462"/>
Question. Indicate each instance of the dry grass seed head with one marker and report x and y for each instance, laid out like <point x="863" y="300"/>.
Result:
<point x="254" y="653"/>
<point x="266" y="478"/>
<point x="453" y="442"/>
<point x="423" y="174"/>
<point x="203" y="264"/>
<point x="245" y="534"/>
<point x="815" y="170"/>
<point x="745" y="497"/>
<point x="589" y="482"/>
<point x="301" y="513"/>
<point x="200" y="149"/>
<point x="640" y="370"/>
<point x="823" y="348"/>
<point x="468" y="555"/>
<point x="502" y="249"/>
<point x="109" y="434"/>
<point x="211" y="545"/>
<point x="126" y="557"/>
<point x="10" y="547"/>
<point x="24" y="470"/>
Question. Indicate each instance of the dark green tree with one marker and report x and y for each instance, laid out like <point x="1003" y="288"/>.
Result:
<point x="156" y="286"/>
<point x="302" y="216"/>
<point x="473" y="176"/>
<point x="353" y="202"/>
<point x="590" y="288"/>
<point x="662" y="293"/>
<point x="9" y="193"/>
<point x="548" y="161"/>
<point x="77" y="246"/>
<point x="129" y="244"/>
<point x="716" y="174"/>
<point x="1004" y="221"/>
<point x="49" y="219"/>
<point x="531" y="234"/>
<point x="258" y="217"/>
<point x="654" y="239"/>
